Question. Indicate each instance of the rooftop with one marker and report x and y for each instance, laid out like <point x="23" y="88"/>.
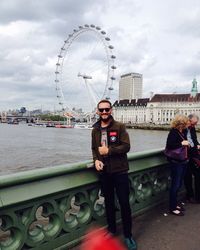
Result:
<point x="175" y="98"/>
<point x="133" y="102"/>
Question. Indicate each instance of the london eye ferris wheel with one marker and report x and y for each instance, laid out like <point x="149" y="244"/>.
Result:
<point x="85" y="69"/>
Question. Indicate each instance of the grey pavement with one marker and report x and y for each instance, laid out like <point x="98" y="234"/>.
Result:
<point x="156" y="231"/>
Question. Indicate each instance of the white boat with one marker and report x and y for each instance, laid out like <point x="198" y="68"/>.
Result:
<point x="82" y="126"/>
<point x="38" y="125"/>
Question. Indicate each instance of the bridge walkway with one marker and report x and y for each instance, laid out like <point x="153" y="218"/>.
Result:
<point x="154" y="231"/>
<point x="158" y="230"/>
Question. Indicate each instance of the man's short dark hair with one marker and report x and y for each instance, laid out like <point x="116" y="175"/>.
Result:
<point x="104" y="100"/>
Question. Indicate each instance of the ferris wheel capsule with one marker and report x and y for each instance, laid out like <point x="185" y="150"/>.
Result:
<point x="112" y="78"/>
<point x="113" y="67"/>
<point x="107" y="38"/>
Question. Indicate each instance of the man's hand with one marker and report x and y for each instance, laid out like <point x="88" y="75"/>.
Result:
<point x="99" y="165"/>
<point x="198" y="147"/>
<point x="103" y="150"/>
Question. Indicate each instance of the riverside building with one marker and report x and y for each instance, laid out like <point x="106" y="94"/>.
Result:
<point x="160" y="109"/>
<point x="130" y="86"/>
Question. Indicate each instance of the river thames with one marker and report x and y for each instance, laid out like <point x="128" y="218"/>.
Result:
<point x="25" y="147"/>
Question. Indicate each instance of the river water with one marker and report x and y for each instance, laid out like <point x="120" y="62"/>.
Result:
<point x="25" y="147"/>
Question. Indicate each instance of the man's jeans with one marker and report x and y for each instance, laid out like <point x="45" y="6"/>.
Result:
<point x="117" y="182"/>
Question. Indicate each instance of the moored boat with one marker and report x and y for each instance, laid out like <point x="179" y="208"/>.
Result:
<point x="63" y="126"/>
<point x="82" y="126"/>
<point x="14" y="122"/>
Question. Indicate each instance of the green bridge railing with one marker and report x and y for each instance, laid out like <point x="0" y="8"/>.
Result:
<point x="52" y="208"/>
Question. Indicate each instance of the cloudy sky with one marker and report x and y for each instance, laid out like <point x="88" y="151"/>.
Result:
<point x="159" y="39"/>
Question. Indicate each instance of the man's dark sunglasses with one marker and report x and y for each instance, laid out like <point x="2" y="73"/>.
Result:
<point x="106" y="109"/>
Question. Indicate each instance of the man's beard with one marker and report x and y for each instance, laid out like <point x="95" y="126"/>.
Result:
<point x="105" y="119"/>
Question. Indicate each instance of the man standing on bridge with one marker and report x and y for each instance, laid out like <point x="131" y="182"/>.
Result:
<point x="192" y="195"/>
<point x="110" y="144"/>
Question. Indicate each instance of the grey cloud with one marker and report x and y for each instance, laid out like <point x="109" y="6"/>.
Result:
<point x="41" y="10"/>
<point x="13" y="70"/>
<point x="190" y="25"/>
<point x="27" y="94"/>
<point x="137" y="48"/>
<point x="191" y="28"/>
<point x="191" y="70"/>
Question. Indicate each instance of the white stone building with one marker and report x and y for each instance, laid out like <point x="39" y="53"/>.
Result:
<point x="160" y="109"/>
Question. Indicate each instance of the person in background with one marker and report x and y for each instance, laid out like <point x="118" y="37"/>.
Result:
<point x="177" y="138"/>
<point x="192" y="170"/>
<point x="110" y="144"/>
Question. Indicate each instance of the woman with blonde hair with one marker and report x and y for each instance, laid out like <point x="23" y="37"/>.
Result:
<point x="177" y="138"/>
